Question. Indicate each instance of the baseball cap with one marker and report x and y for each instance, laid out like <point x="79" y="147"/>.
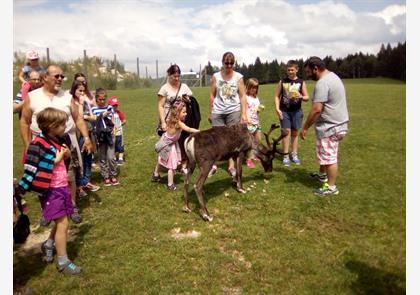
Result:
<point x="113" y="101"/>
<point x="32" y="54"/>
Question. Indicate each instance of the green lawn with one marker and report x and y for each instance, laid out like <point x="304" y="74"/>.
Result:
<point x="277" y="239"/>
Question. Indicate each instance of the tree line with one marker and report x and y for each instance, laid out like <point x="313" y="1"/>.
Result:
<point x="388" y="62"/>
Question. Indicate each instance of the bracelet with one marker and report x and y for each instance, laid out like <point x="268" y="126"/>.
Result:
<point x="86" y="137"/>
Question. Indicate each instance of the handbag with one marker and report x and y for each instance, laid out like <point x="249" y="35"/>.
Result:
<point x="159" y="129"/>
<point x="21" y="230"/>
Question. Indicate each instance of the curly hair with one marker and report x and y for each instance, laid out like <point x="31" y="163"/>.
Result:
<point x="175" y="113"/>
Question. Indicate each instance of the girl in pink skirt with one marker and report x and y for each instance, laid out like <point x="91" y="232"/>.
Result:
<point x="167" y="147"/>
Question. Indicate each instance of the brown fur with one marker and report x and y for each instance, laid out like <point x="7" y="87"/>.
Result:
<point x="222" y="143"/>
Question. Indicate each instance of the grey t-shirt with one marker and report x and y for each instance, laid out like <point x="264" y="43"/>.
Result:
<point x="334" y="118"/>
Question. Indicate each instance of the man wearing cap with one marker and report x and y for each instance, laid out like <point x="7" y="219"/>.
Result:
<point x="31" y="65"/>
<point x="51" y="95"/>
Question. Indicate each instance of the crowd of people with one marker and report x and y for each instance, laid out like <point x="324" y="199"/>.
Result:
<point x="65" y="132"/>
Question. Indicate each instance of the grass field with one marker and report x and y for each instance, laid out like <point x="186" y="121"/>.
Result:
<point x="277" y="239"/>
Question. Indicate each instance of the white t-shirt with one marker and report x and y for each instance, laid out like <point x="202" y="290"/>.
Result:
<point x="253" y="104"/>
<point x="227" y="94"/>
<point x="39" y="101"/>
<point x="169" y="92"/>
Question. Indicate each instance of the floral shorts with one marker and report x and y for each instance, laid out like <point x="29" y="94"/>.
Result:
<point x="254" y="128"/>
<point x="327" y="148"/>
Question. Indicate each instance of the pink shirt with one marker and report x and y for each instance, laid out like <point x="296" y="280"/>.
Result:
<point x="59" y="177"/>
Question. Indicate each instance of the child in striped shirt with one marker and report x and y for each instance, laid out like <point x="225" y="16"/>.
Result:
<point x="104" y="134"/>
<point x="45" y="173"/>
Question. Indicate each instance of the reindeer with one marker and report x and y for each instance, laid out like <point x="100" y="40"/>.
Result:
<point x="221" y="143"/>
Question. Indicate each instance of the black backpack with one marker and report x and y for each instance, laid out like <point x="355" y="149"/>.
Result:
<point x="21" y="230"/>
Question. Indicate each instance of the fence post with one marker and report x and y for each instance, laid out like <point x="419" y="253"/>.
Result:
<point x="138" y="68"/>
<point x="85" y="64"/>
<point x="201" y="80"/>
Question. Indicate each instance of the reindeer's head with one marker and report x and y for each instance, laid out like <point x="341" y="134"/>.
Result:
<point x="267" y="153"/>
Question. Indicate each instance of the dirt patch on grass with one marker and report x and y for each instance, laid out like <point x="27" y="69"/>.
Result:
<point x="178" y="235"/>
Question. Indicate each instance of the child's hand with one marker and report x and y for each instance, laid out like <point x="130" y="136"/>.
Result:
<point x="67" y="152"/>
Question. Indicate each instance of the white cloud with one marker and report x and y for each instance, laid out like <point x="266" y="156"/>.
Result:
<point x="190" y="36"/>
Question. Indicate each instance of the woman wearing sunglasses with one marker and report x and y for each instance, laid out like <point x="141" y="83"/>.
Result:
<point x="228" y="104"/>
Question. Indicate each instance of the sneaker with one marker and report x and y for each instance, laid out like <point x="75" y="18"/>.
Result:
<point x="156" y="178"/>
<point x="120" y="162"/>
<point x="319" y="176"/>
<point x="48" y="253"/>
<point x="44" y="222"/>
<point x="295" y="159"/>
<point x="69" y="268"/>
<point x="213" y="171"/>
<point x="91" y="187"/>
<point x="76" y="217"/>
<point x="81" y="192"/>
<point x="172" y="187"/>
<point x="107" y="182"/>
<point x="286" y="161"/>
<point x="325" y="190"/>
<point x="250" y="163"/>
<point x="114" y="181"/>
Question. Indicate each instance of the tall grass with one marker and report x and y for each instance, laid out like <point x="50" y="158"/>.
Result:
<point x="276" y="239"/>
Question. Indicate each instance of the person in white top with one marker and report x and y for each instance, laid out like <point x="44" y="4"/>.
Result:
<point x="254" y="107"/>
<point x="227" y="104"/>
<point x="173" y="90"/>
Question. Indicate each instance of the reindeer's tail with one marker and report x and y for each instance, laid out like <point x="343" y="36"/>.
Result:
<point x="189" y="149"/>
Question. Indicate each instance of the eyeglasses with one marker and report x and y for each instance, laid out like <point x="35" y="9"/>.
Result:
<point x="229" y="63"/>
<point x="35" y="79"/>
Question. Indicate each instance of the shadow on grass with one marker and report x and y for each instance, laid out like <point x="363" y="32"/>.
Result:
<point x="28" y="263"/>
<point x="295" y="174"/>
<point x="216" y="188"/>
<point x="85" y="202"/>
<point x="372" y="280"/>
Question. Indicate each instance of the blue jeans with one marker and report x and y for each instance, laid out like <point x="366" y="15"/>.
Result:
<point x="82" y="180"/>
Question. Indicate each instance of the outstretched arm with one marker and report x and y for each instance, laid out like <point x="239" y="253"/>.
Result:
<point x="187" y="129"/>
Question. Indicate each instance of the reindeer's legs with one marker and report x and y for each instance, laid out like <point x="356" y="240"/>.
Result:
<point x="198" y="187"/>
<point x="239" y="161"/>
<point x="191" y="167"/>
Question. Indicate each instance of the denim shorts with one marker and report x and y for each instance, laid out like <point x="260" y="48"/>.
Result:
<point x="292" y="120"/>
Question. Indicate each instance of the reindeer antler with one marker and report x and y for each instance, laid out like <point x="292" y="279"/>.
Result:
<point x="283" y="134"/>
<point x="267" y="135"/>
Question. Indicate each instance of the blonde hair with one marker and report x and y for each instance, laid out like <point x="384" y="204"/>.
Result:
<point x="50" y="118"/>
<point x="252" y="83"/>
<point x="175" y="113"/>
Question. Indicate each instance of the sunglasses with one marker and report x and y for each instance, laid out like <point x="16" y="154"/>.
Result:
<point x="58" y="76"/>
<point x="229" y="63"/>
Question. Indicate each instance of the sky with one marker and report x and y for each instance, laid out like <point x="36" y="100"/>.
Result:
<point x="191" y="33"/>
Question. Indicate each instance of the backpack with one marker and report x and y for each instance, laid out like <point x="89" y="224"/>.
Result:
<point x="21" y="229"/>
<point x="103" y="130"/>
